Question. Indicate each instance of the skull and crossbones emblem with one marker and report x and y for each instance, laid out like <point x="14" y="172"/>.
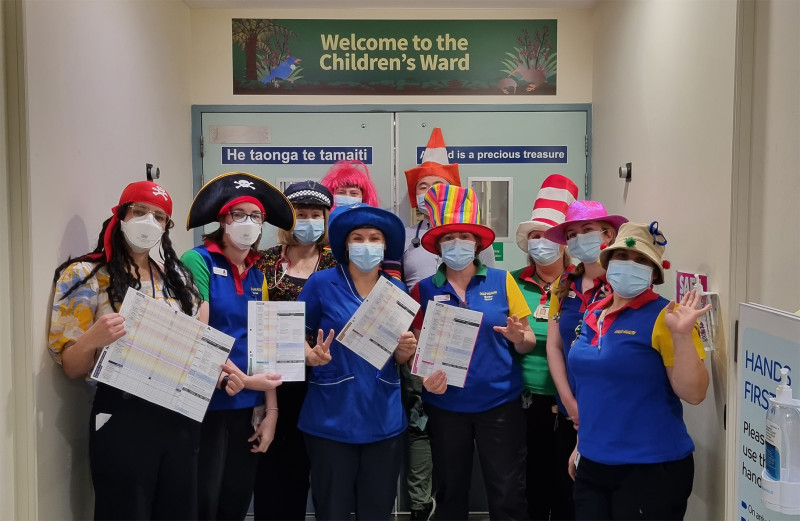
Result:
<point x="244" y="184"/>
<point x="157" y="190"/>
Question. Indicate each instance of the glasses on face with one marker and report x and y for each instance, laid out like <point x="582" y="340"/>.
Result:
<point x="138" y="210"/>
<point x="240" y="215"/>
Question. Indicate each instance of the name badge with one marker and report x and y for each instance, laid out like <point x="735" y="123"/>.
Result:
<point x="441" y="298"/>
<point x="571" y="294"/>
<point x="220" y="271"/>
<point x="541" y="312"/>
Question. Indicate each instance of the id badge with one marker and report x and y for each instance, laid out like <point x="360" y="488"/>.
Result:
<point x="259" y="413"/>
<point x="542" y="310"/>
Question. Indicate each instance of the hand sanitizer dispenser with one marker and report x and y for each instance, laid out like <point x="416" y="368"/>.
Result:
<point x="780" y="480"/>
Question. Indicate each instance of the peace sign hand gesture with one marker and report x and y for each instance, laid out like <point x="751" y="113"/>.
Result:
<point x="320" y="354"/>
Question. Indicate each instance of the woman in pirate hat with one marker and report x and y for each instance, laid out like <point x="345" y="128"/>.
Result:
<point x="139" y="452"/>
<point x="227" y="279"/>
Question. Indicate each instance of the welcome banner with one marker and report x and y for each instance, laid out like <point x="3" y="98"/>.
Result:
<point x="431" y="57"/>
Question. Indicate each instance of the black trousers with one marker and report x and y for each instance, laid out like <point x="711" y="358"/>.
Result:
<point x="227" y="468"/>
<point x="550" y="441"/>
<point x="657" y="491"/>
<point x="280" y="492"/>
<point x="143" y="459"/>
<point x="360" y="478"/>
<point x="499" y="435"/>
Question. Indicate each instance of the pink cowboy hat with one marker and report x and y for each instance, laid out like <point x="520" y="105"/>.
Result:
<point x="580" y="212"/>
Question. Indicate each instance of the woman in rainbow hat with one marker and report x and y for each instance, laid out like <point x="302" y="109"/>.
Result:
<point x="487" y="411"/>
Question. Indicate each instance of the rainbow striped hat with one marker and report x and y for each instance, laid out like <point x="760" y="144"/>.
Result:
<point x="454" y="209"/>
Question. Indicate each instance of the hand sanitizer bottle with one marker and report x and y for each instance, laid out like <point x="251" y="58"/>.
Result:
<point x="782" y="447"/>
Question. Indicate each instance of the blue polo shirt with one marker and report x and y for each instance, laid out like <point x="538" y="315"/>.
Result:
<point x="348" y="400"/>
<point x="227" y="292"/>
<point x="629" y="412"/>
<point x="570" y="311"/>
<point x="494" y="378"/>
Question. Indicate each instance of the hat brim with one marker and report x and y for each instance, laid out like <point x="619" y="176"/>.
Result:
<point x="345" y="219"/>
<point x="217" y="193"/>
<point x="558" y="233"/>
<point x="449" y="173"/>
<point x="430" y="240"/>
<point x="525" y="228"/>
<point x="605" y="256"/>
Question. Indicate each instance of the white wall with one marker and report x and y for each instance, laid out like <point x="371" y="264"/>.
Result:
<point x="772" y="277"/>
<point x="108" y="91"/>
<point x="663" y="100"/>
<point x="212" y="68"/>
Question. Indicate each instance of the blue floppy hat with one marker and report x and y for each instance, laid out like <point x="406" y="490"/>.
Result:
<point x="345" y="219"/>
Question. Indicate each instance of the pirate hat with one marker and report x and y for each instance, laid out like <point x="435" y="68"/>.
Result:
<point x="224" y="189"/>
<point x="434" y="162"/>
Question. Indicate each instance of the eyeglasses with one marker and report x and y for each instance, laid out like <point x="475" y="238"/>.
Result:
<point x="138" y="210"/>
<point x="240" y="215"/>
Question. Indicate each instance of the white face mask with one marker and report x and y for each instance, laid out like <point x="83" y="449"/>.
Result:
<point x="544" y="252"/>
<point x="243" y="234"/>
<point x="586" y="246"/>
<point x="344" y="200"/>
<point x="421" y="203"/>
<point x="141" y="233"/>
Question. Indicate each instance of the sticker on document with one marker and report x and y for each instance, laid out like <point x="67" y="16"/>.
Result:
<point x="220" y="271"/>
<point x="441" y="298"/>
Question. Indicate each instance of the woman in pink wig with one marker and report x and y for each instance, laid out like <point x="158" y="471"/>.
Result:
<point x="349" y="182"/>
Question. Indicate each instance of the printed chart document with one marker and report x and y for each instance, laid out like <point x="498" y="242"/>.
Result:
<point x="385" y="314"/>
<point x="166" y="357"/>
<point x="446" y="342"/>
<point x="276" y="341"/>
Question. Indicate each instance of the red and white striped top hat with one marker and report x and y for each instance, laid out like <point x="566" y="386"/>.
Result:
<point x="549" y="208"/>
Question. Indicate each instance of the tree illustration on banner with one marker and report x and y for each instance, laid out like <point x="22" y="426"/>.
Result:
<point x="266" y="48"/>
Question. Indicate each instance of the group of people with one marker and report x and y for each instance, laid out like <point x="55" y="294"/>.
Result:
<point x="577" y="373"/>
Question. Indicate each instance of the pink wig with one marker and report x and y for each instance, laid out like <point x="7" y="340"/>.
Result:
<point x="347" y="173"/>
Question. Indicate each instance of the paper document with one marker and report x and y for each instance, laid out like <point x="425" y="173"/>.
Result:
<point x="276" y="341"/>
<point x="166" y="357"/>
<point x="446" y="342"/>
<point x="385" y="314"/>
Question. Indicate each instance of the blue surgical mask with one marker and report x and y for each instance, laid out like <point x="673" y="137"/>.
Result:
<point x="308" y="231"/>
<point x="586" y="246"/>
<point x="458" y="253"/>
<point x="421" y="203"/>
<point x="543" y="251"/>
<point x="365" y="255"/>
<point x="628" y="278"/>
<point x="344" y="200"/>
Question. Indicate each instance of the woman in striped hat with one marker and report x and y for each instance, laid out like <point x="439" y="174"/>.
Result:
<point x="486" y="412"/>
<point x="548" y="484"/>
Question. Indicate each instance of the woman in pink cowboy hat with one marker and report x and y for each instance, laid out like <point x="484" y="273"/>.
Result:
<point x="586" y="230"/>
<point x="637" y="356"/>
<point x="486" y="412"/>
<point x="550" y="438"/>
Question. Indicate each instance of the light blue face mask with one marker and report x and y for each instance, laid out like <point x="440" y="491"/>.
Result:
<point x="308" y="231"/>
<point x="628" y="278"/>
<point x="544" y="252"/>
<point x="458" y="253"/>
<point x="421" y="203"/>
<point x="344" y="200"/>
<point x="586" y="246"/>
<point x="366" y="256"/>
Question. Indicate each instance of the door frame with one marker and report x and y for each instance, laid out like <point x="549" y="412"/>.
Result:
<point x="199" y="110"/>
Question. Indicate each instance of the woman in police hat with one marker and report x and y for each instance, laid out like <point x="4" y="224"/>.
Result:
<point x="281" y="487"/>
<point x="233" y="431"/>
<point x="353" y="416"/>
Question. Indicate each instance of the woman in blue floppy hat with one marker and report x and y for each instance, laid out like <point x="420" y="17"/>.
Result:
<point x="281" y="488"/>
<point x="487" y="411"/>
<point x="234" y="432"/>
<point x="637" y="356"/>
<point x="353" y="416"/>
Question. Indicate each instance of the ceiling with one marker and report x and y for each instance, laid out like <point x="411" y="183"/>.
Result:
<point x="393" y="5"/>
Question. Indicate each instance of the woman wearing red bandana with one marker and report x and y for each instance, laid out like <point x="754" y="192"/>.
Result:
<point x="141" y="455"/>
